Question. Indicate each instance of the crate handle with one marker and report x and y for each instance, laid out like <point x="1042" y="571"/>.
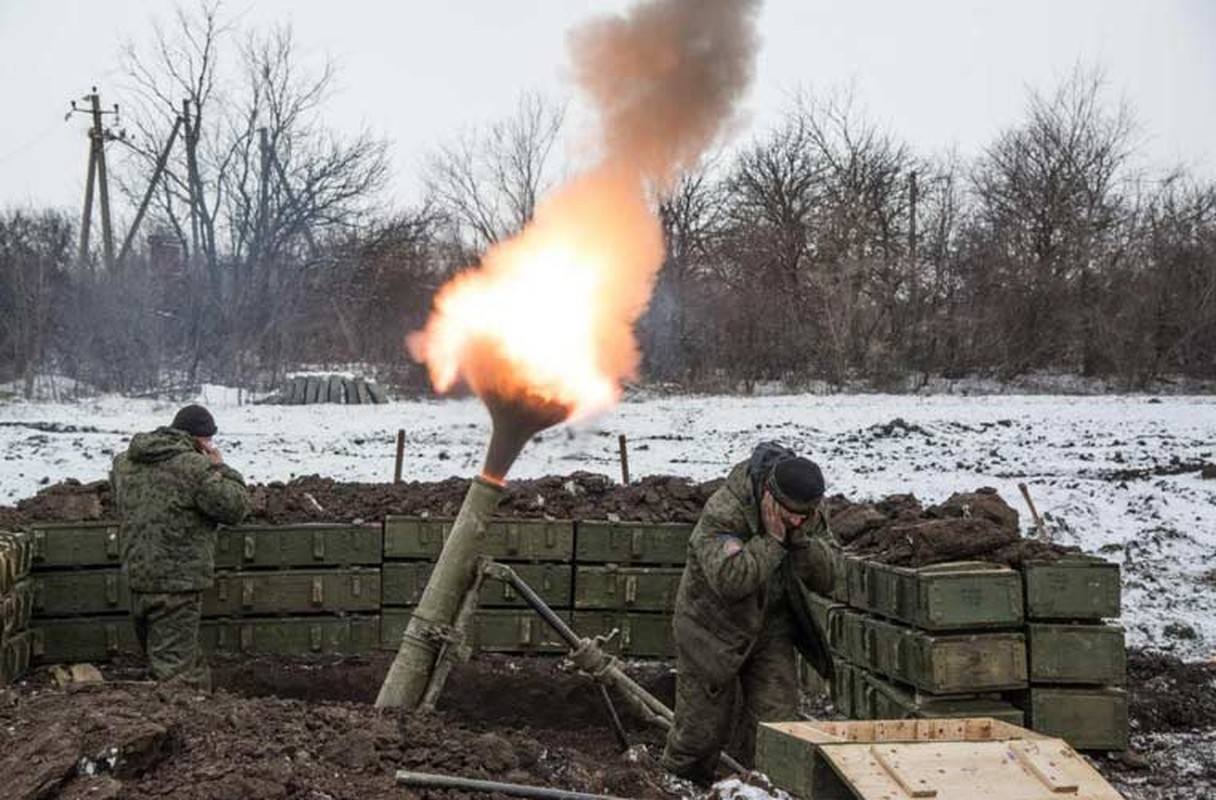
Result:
<point x="112" y="589"/>
<point x="635" y="542"/>
<point x="631" y="589"/>
<point x="356" y="585"/>
<point x="39" y="545"/>
<point x="112" y="543"/>
<point x="249" y="546"/>
<point x="318" y="590"/>
<point x="513" y="539"/>
<point x="525" y="630"/>
<point x="550" y="537"/>
<point x="246" y="643"/>
<point x="315" y="639"/>
<point x="626" y="635"/>
<point x="111" y="639"/>
<point x="318" y="545"/>
<point x="247" y="592"/>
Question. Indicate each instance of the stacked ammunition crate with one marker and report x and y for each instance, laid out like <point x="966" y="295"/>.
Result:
<point x="1077" y="662"/>
<point x="625" y="580"/>
<point x="16" y="605"/>
<point x="540" y="551"/>
<point x="284" y="589"/>
<point x="941" y="641"/>
<point x="972" y="639"/>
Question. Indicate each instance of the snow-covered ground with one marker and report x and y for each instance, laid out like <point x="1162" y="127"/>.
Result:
<point x="1070" y="450"/>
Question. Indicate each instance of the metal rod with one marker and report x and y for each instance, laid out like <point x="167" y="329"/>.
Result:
<point x="400" y="455"/>
<point x="433" y="781"/>
<point x="624" y="459"/>
<point x="617" y="727"/>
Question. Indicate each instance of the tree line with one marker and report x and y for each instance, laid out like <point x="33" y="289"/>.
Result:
<point x="826" y="249"/>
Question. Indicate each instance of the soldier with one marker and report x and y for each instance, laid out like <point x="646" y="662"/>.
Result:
<point x="740" y="609"/>
<point x="172" y="488"/>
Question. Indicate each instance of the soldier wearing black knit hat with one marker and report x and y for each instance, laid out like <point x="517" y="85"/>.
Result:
<point x="760" y="544"/>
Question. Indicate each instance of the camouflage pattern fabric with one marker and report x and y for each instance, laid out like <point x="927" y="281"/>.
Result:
<point x="170" y="498"/>
<point x="737" y="618"/>
<point x="166" y="624"/>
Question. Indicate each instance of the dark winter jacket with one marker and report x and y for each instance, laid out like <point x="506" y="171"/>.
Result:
<point x="171" y="498"/>
<point x="738" y="578"/>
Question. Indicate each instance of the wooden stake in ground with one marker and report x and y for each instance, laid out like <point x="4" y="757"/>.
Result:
<point x="1034" y="512"/>
<point x="624" y="459"/>
<point x="400" y="455"/>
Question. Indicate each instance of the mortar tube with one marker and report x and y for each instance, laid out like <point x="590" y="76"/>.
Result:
<point x="454" y="573"/>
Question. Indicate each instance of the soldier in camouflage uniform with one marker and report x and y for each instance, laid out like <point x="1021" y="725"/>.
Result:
<point x="740" y="609"/>
<point x="172" y="488"/>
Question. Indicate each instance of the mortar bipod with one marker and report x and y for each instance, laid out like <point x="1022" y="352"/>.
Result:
<point x="589" y="656"/>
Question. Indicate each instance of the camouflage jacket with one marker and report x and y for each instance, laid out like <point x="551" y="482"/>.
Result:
<point x="170" y="498"/>
<point x="738" y="579"/>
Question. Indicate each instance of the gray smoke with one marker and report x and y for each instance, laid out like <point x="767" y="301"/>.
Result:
<point x="666" y="77"/>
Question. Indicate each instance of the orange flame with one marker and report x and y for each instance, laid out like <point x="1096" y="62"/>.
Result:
<point x="550" y="313"/>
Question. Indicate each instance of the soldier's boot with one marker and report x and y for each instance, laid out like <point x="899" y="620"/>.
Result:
<point x="702" y="722"/>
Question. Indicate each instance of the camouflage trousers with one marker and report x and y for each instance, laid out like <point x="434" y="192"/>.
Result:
<point x="166" y="624"/>
<point x="708" y="721"/>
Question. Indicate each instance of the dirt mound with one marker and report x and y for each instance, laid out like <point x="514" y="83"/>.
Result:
<point x="969" y="526"/>
<point x="140" y="740"/>
<point x="1169" y="694"/>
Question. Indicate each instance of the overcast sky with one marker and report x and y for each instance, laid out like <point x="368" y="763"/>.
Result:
<point x="939" y="73"/>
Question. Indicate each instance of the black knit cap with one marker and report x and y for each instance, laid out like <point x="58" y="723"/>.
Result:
<point x="195" y="420"/>
<point x="797" y="484"/>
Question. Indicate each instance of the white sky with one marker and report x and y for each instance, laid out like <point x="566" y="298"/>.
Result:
<point x="939" y="73"/>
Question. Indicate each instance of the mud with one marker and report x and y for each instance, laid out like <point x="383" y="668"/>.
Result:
<point x="132" y="739"/>
<point x="969" y="526"/>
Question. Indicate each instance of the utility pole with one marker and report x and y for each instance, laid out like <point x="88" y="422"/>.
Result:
<point x="97" y="177"/>
<point x="143" y="205"/>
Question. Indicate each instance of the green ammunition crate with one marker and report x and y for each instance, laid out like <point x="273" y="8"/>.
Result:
<point x="506" y="540"/>
<point x="292" y="592"/>
<point x="494" y="630"/>
<point x="14" y="657"/>
<point x="637" y="635"/>
<point x="852" y="642"/>
<point x="811" y="681"/>
<point x="1073" y="588"/>
<point x="16" y="608"/>
<point x="632" y="542"/>
<point x="842" y="687"/>
<point x="888" y="701"/>
<point x="404" y="582"/>
<point x="69" y="593"/>
<point x="311" y="545"/>
<point x="949" y="663"/>
<point x="16" y="558"/>
<point x="76" y="544"/>
<point x="1094" y="654"/>
<point x="346" y="635"/>
<point x="953" y="596"/>
<point x="82" y="638"/>
<point x="1088" y="719"/>
<point x="632" y="588"/>
<point x="828" y="614"/>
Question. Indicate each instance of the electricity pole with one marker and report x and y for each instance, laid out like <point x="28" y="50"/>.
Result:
<point x="96" y="176"/>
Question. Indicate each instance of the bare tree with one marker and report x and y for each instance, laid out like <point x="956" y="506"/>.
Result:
<point x="489" y="180"/>
<point x="35" y="254"/>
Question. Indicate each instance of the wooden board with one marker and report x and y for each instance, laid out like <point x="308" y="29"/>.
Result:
<point x="944" y="759"/>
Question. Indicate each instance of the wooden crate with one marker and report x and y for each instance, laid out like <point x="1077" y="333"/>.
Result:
<point x="959" y="759"/>
<point x="404" y="582"/>
<point x="1093" y="654"/>
<point x="1087" y="718"/>
<point x="505" y="540"/>
<point x="945" y="663"/>
<point x="639" y="635"/>
<point x="954" y="596"/>
<point x="1073" y="588"/>
<point x="632" y="542"/>
<point x="632" y="588"/>
<point x="310" y="545"/>
<point x="76" y="544"/>
<point x="347" y="635"/>
<point x="496" y="630"/>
